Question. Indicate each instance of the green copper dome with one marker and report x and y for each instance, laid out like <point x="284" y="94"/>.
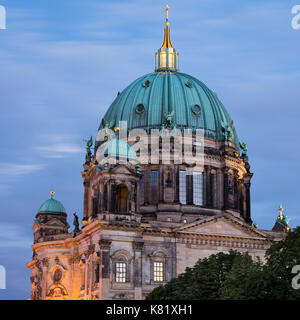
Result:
<point x="147" y="101"/>
<point x="52" y="206"/>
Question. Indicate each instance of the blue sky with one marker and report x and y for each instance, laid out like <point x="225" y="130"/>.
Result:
<point x="63" y="62"/>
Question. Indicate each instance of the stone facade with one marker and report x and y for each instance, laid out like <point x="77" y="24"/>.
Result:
<point x="83" y="267"/>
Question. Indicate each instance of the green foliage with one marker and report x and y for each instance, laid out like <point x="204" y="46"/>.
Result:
<point x="281" y="258"/>
<point x="235" y="276"/>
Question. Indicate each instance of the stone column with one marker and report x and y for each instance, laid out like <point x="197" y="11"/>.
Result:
<point x="45" y="264"/>
<point x="208" y="188"/>
<point x="137" y="188"/>
<point x="86" y="185"/>
<point x="75" y="278"/>
<point x="247" y="178"/>
<point x="104" y="281"/>
<point x="100" y="198"/>
<point x="108" y="196"/>
<point x="189" y="187"/>
<point x="138" y="270"/>
<point x="220" y="188"/>
<point x="176" y="184"/>
<point x="161" y="183"/>
<point x="86" y="270"/>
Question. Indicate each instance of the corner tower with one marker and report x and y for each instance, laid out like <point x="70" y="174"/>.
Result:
<point x="50" y="222"/>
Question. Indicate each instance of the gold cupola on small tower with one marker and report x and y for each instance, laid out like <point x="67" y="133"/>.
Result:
<point x="166" y="58"/>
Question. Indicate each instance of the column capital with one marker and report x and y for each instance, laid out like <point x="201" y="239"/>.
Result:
<point x="105" y="244"/>
<point x="137" y="245"/>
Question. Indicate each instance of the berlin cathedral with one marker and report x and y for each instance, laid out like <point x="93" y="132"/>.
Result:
<point x="145" y="221"/>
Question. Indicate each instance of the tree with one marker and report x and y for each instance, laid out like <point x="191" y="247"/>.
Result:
<point x="245" y="281"/>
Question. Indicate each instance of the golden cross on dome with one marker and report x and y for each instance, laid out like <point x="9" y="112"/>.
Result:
<point x="167" y="14"/>
<point x="166" y="11"/>
<point x="280" y="211"/>
<point x="52" y="193"/>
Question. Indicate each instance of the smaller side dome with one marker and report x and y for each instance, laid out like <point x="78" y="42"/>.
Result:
<point x="119" y="149"/>
<point x="52" y="206"/>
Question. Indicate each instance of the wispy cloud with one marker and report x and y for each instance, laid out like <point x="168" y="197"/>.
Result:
<point x="58" y="146"/>
<point x="16" y="169"/>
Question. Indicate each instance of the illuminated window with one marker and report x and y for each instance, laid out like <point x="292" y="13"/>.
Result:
<point x="198" y="188"/>
<point x="121" y="272"/>
<point x="158" y="271"/>
<point x="182" y="187"/>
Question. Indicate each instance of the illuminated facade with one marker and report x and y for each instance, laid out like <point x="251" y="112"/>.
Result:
<point x="145" y="221"/>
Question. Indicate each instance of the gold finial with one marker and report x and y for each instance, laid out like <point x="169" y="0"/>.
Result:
<point x="167" y="57"/>
<point x="167" y="39"/>
<point x="52" y="193"/>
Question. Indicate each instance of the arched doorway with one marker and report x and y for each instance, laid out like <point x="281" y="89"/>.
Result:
<point x="122" y="198"/>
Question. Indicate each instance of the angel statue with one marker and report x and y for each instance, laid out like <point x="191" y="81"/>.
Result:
<point x="169" y="120"/>
<point x="244" y="148"/>
<point x="89" y="144"/>
<point x="227" y="130"/>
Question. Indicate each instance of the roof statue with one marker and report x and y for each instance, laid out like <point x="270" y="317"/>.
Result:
<point x="76" y="223"/>
<point x="89" y="144"/>
<point x="244" y="149"/>
<point x="169" y="122"/>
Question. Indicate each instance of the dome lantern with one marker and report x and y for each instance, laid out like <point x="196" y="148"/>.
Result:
<point x="166" y="58"/>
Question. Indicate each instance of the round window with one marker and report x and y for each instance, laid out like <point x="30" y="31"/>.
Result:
<point x="139" y="108"/>
<point x="189" y="84"/>
<point x="196" y="109"/>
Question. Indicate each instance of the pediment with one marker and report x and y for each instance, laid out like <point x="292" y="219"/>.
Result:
<point x="122" y="169"/>
<point x="55" y="222"/>
<point x="224" y="225"/>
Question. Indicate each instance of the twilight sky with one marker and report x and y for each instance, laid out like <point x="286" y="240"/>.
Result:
<point x="63" y="62"/>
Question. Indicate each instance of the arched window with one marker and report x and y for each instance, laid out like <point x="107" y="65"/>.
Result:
<point x="122" y="198"/>
<point x="159" y="261"/>
<point x="122" y="268"/>
<point x="158" y="269"/>
<point x="121" y="272"/>
<point x="198" y="188"/>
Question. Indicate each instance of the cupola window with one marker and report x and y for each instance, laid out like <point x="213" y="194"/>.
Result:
<point x="139" y="109"/>
<point x="146" y="84"/>
<point x="196" y="109"/>
<point x="189" y="84"/>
